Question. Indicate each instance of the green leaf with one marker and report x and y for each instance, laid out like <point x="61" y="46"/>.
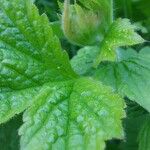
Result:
<point x="144" y="136"/>
<point x="63" y="110"/>
<point x="120" y="33"/>
<point x="30" y="56"/>
<point x="56" y="26"/>
<point x="80" y="115"/>
<point x="82" y="63"/>
<point x="129" y="76"/>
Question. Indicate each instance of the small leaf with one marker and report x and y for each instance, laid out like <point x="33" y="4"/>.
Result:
<point x="121" y="33"/>
<point x="75" y="116"/>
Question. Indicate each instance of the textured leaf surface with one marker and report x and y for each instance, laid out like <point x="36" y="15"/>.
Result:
<point x="121" y="33"/>
<point x="63" y="112"/>
<point x="129" y="76"/>
<point x="75" y="116"/>
<point x="82" y="63"/>
<point x="30" y="55"/>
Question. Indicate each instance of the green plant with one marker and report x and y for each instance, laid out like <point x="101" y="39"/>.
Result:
<point x="65" y="108"/>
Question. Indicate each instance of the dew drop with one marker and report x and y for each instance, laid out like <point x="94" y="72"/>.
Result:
<point x="103" y="112"/>
<point x="35" y="23"/>
<point x="57" y="112"/>
<point x="51" y="138"/>
<point x="60" y="131"/>
<point x="93" y="129"/>
<point x="80" y="119"/>
<point x="58" y="67"/>
<point x="86" y="93"/>
<point x="19" y="14"/>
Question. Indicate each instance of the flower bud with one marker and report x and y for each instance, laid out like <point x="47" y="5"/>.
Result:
<point x="81" y="26"/>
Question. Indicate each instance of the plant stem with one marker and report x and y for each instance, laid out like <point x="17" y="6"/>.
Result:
<point x="127" y="8"/>
<point x="111" y="11"/>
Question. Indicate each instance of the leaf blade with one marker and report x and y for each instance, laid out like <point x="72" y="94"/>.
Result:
<point x="120" y="33"/>
<point x="129" y="76"/>
<point x="81" y="117"/>
<point x="30" y="56"/>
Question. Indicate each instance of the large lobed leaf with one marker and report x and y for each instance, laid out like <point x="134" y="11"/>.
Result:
<point x="63" y="110"/>
<point x="30" y="55"/>
<point x="129" y="75"/>
<point x="74" y="117"/>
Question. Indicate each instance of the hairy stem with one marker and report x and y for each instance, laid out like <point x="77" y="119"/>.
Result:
<point x="111" y="11"/>
<point x="66" y="20"/>
<point x="127" y="8"/>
